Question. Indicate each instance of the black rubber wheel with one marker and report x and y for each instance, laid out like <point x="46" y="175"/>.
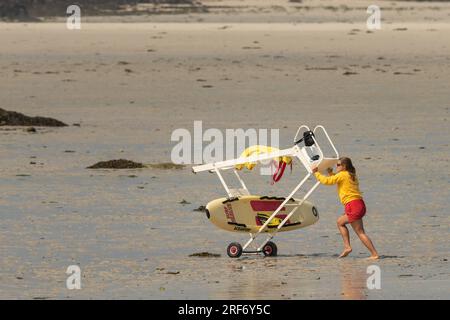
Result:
<point x="234" y="250"/>
<point x="270" y="249"/>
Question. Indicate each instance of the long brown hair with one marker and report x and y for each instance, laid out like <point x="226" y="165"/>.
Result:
<point x="347" y="162"/>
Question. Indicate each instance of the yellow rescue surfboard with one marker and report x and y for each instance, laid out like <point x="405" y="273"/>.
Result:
<point x="249" y="213"/>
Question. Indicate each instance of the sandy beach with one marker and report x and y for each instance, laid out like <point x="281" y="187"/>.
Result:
<point x="383" y="96"/>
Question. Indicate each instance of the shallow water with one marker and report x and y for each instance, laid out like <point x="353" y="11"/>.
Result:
<point x="120" y="235"/>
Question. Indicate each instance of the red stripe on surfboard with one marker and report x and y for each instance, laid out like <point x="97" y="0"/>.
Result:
<point x="260" y="205"/>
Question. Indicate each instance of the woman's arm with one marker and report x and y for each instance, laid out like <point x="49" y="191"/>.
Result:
<point x="334" y="179"/>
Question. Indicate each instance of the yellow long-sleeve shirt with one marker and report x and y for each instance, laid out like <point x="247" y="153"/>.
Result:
<point x="348" y="189"/>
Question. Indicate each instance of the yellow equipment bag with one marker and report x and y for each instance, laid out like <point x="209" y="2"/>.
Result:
<point x="259" y="149"/>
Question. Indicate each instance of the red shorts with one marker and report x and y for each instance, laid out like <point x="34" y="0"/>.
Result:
<point x="355" y="210"/>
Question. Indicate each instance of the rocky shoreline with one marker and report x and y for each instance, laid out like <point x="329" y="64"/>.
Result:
<point x="30" y="10"/>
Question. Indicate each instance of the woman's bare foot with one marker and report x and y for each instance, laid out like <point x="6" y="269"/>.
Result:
<point x="376" y="257"/>
<point x="345" y="253"/>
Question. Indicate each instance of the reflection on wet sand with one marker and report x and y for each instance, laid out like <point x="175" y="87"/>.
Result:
<point x="284" y="277"/>
<point x="294" y="277"/>
<point x="353" y="280"/>
<point x="257" y="280"/>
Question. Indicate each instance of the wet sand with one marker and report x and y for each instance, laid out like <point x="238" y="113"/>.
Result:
<point x="383" y="96"/>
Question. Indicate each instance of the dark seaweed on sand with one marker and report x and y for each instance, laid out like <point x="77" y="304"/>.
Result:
<point x="128" y="164"/>
<point x="117" y="164"/>
<point x="200" y="209"/>
<point x="12" y="118"/>
<point x="205" y="255"/>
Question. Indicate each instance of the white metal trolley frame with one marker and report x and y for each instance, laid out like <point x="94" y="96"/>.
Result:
<point x="303" y="153"/>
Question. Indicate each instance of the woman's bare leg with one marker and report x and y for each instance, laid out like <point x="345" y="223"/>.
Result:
<point x="341" y="222"/>
<point x="358" y="226"/>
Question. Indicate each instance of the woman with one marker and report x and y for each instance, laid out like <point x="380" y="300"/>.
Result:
<point x="351" y="198"/>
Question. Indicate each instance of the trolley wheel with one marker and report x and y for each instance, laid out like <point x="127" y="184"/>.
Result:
<point x="270" y="249"/>
<point x="234" y="250"/>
